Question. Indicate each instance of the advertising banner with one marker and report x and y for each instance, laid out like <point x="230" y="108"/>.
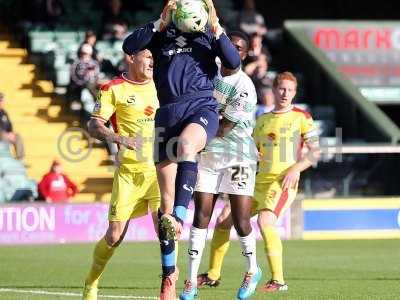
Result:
<point x="81" y="223"/>
<point x="372" y="218"/>
<point x="367" y="52"/>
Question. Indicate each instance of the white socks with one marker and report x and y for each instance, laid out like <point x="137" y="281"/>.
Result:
<point x="197" y="242"/>
<point x="248" y="244"/>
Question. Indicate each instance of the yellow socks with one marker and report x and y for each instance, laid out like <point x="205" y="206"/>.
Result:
<point x="102" y="254"/>
<point x="219" y="247"/>
<point x="273" y="249"/>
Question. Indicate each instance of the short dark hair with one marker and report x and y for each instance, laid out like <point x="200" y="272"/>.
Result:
<point x="240" y="35"/>
<point x="89" y="33"/>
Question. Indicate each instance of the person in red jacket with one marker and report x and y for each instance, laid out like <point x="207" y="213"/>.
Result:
<point x="56" y="187"/>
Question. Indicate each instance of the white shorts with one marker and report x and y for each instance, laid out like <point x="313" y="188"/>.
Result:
<point x="219" y="173"/>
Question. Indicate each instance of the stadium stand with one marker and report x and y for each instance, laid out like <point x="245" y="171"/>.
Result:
<point x="53" y="47"/>
<point x="41" y="119"/>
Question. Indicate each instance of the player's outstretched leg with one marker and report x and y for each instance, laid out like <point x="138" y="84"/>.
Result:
<point x="192" y="140"/>
<point x="170" y="272"/>
<point x="204" y="205"/>
<point x="166" y="172"/>
<point x="102" y="254"/>
<point x="273" y="250"/>
<point x="241" y="212"/>
<point x="219" y="247"/>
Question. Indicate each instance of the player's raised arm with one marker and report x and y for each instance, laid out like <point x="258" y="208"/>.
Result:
<point x="228" y="54"/>
<point x="142" y="37"/>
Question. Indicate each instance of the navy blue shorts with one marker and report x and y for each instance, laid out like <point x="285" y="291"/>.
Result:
<point x="171" y="119"/>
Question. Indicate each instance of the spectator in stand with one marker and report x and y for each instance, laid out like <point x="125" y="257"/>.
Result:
<point x="250" y="21"/>
<point x="257" y="48"/>
<point x="106" y="65"/>
<point x="266" y="101"/>
<point x="91" y="39"/>
<point x="115" y="24"/>
<point x="6" y="131"/>
<point x="257" y="71"/>
<point x="85" y="73"/>
<point x="55" y="186"/>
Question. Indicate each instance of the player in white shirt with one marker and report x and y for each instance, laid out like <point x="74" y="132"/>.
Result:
<point x="228" y="165"/>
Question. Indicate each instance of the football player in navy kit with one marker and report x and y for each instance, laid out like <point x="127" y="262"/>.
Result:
<point x="184" y="71"/>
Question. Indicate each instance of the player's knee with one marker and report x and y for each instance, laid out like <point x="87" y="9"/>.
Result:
<point x="201" y="219"/>
<point x="266" y="219"/>
<point x="186" y="150"/>
<point x="243" y="228"/>
<point x="114" y="237"/>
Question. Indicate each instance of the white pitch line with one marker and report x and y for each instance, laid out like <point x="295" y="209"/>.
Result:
<point x="40" y="292"/>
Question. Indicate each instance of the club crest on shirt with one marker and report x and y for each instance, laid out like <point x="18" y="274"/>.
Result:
<point x="149" y="110"/>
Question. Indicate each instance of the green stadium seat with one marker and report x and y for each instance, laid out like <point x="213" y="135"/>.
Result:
<point x="81" y="36"/>
<point x="5" y="151"/>
<point x="72" y="52"/>
<point x="62" y="76"/>
<point x="117" y="45"/>
<point x="3" y="198"/>
<point x="65" y="38"/>
<point x="87" y="100"/>
<point x="60" y="59"/>
<point x="41" y="41"/>
<point x="103" y="46"/>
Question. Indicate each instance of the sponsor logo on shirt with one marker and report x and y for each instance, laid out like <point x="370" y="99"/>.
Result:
<point x="149" y="110"/>
<point x="180" y="42"/>
<point x="204" y="121"/>
<point x="131" y="100"/>
<point x="244" y="95"/>
<point x="188" y="188"/>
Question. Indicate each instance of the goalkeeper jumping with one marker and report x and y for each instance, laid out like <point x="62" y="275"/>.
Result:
<point x="184" y="71"/>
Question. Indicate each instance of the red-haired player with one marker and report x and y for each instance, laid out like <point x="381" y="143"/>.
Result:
<point x="279" y="136"/>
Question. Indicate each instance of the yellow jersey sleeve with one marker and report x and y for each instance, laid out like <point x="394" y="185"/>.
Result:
<point x="256" y="132"/>
<point x="308" y="130"/>
<point x="105" y="105"/>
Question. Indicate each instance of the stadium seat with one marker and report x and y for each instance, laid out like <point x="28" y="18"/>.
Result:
<point x="87" y="101"/>
<point x="15" y="185"/>
<point x="65" y="38"/>
<point x="60" y="59"/>
<point x="41" y="41"/>
<point x="62" y="76"/>
<point x="2" y="193"/>
<point x="5" y="150"/>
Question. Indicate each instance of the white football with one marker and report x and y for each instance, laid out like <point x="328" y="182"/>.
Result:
<point x="190" y="15"/>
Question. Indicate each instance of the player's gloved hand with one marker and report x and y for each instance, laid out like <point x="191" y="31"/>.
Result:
<point x="213" y="20"/>
<point x="165" y="17"/>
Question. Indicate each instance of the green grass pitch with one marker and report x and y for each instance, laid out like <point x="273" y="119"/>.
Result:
<point x="357" y="269"/>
